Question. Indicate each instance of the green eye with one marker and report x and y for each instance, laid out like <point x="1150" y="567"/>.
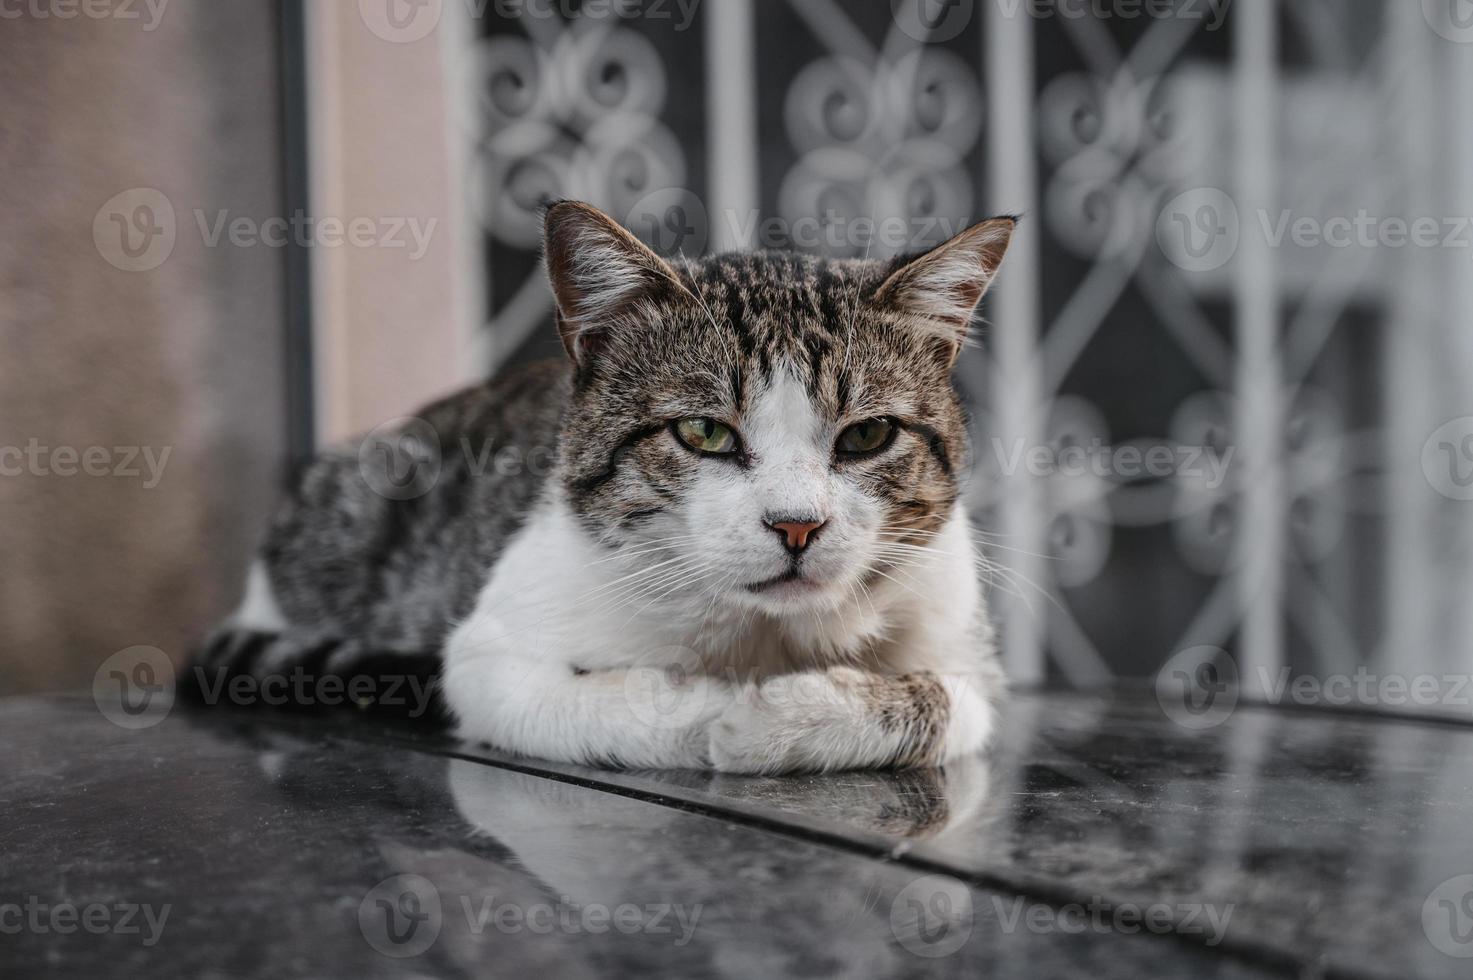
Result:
<point x="706" y="436"/>
<point x="868" y="436"/>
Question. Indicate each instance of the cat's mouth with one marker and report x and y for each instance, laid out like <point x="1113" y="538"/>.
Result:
<point x="791" y="580"/>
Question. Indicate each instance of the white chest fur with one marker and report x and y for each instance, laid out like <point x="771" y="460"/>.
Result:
<point x="571" y="655"/>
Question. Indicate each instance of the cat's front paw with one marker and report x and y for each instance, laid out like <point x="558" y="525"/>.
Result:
<point x="672" y="715"/>
<point x="740" y="741"/>
<point x="782" y="725"/>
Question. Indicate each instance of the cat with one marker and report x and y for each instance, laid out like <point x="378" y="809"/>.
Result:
<point x="724" y="533"/>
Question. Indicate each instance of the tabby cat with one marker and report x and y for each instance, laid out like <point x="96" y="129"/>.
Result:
<point x="725" y="533"/>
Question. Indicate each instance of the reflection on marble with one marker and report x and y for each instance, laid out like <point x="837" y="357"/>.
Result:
<point x="1338" y="842"/>
<point x="298" y="850"/>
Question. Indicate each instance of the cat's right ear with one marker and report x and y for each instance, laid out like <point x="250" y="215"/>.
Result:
<point x="602" y="277"/>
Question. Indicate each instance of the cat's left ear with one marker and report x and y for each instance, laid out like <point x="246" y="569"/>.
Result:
<point x="601" y="276"/>
<point x="940" y="289"/>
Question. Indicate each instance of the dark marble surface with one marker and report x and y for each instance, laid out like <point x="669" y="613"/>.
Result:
<point x="1335" y="843"/>
<point x="1311" y="844"/>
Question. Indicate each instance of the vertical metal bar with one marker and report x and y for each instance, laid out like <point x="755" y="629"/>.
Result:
<point x="328" y="382"/>
<point x="1258" y="412"/>
<point x="470" y="281"/>
<point x="1409" y="344"/>
<point x="731" y="133"/>
<point x="1015" y="308"/>
<point x="301" y="425"/>
<point x="1456" y="399"/>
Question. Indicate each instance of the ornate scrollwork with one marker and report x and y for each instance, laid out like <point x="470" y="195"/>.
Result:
<point x="881" y="148"/>
<point x="579" y="119"/>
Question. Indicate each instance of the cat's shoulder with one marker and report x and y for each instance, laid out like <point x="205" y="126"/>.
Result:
<point x="530" y="395"/>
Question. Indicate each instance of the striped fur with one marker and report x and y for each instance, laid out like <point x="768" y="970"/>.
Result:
<point x="575" y="605"/>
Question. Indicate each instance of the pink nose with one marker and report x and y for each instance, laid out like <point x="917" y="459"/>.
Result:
<point x="797" y="534"/>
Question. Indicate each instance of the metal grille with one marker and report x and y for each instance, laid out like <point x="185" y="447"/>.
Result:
<point x="1201" y="418"/>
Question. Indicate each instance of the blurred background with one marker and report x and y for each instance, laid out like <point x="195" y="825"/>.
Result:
<point x="1222" y="397"/>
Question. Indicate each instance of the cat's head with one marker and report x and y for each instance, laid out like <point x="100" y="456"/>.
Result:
<point x="763" y="423"/>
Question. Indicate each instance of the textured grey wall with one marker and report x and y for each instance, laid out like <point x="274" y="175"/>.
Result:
<point x="185" y="357"/>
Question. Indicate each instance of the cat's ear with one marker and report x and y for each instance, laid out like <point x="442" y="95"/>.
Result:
<point x="601" y="275"/>
<point x="940" y="289"/>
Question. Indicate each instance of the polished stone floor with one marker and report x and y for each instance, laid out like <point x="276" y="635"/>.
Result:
<point x="1101" y="839"/>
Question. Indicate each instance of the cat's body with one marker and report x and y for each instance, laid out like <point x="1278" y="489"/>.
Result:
<point x="726" y="534"/>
